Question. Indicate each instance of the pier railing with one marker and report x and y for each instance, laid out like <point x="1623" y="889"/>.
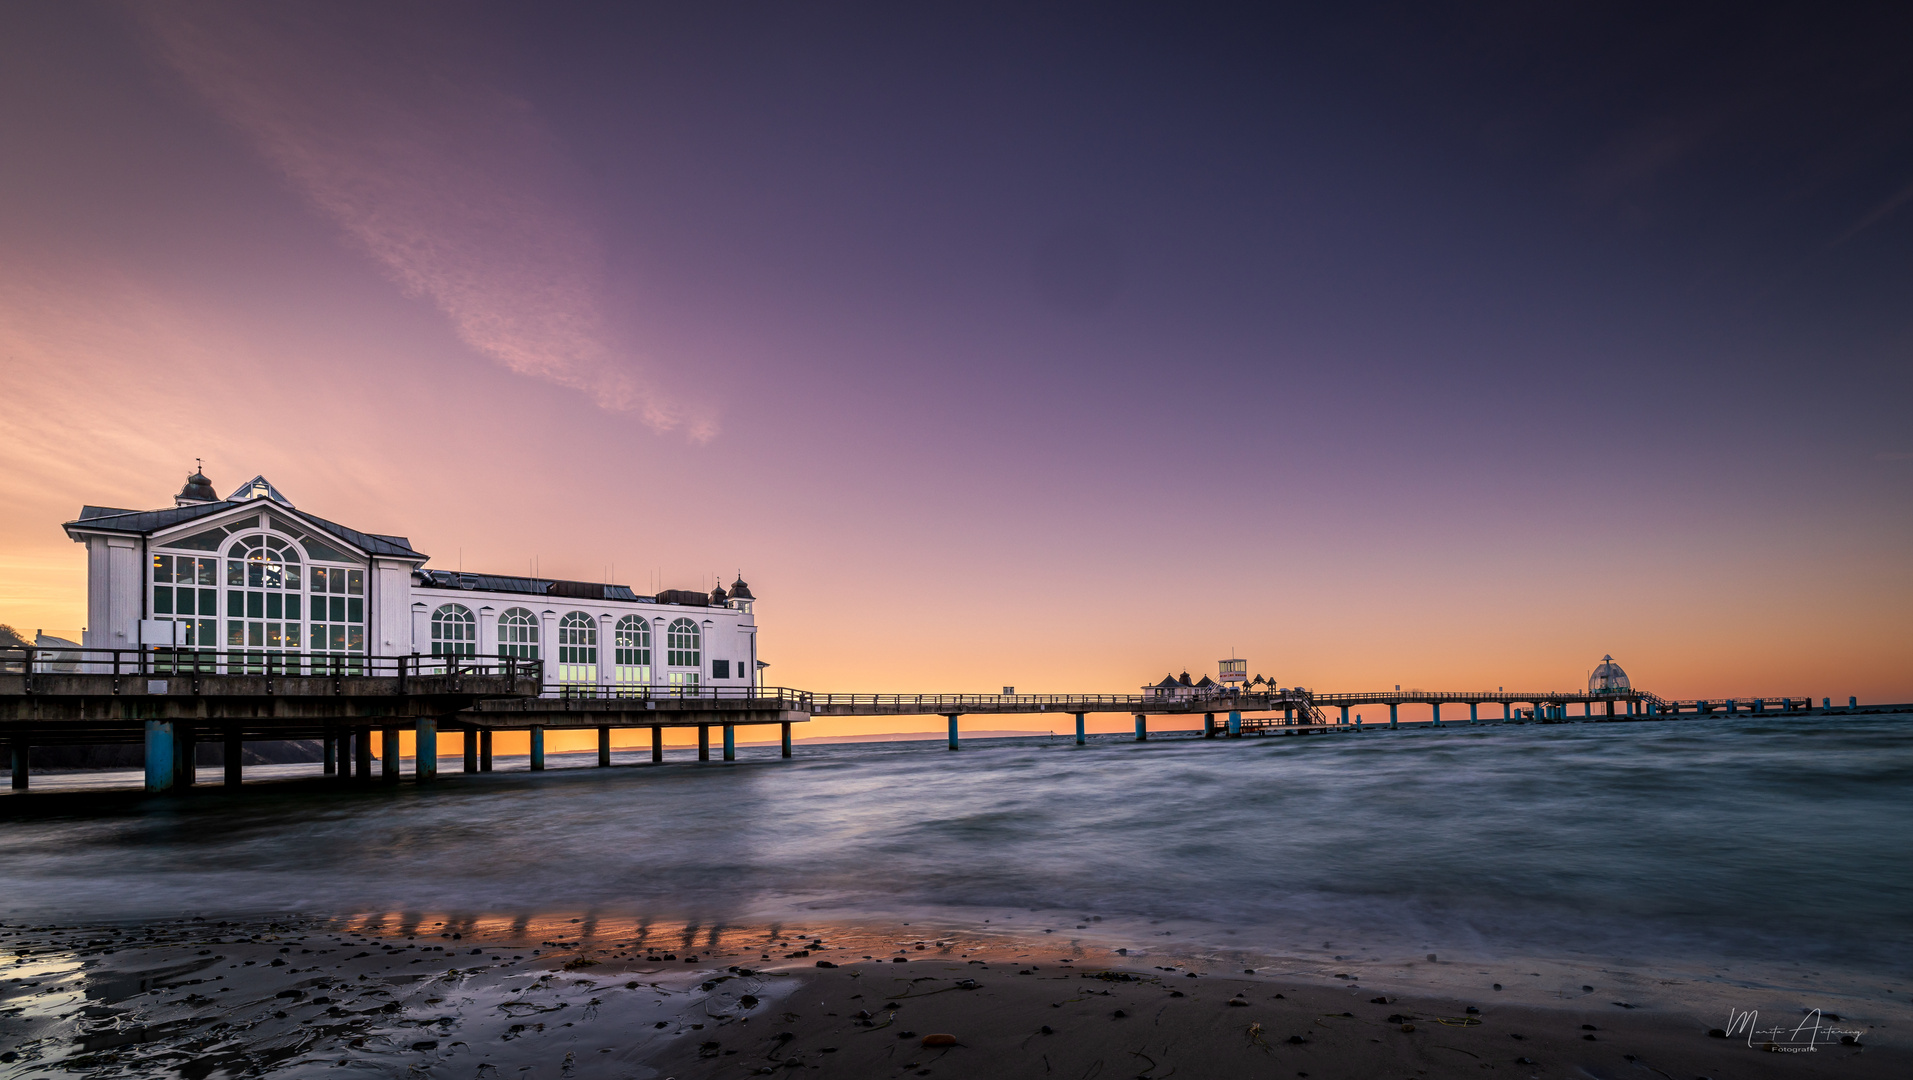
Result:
<point x="36" y="664"/>
<point x="1062" y="702"/>
<point x="777" y="697"/>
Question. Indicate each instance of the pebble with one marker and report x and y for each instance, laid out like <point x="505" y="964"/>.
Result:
<point x="939" y="1040"/>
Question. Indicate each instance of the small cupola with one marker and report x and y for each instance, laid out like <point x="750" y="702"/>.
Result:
<point x="718" y="598"/>
<point x="198" y="490"/>
<point x="741" y="591"/>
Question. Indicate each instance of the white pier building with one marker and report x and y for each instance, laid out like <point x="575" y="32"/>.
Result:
<point x="253" y="572"/>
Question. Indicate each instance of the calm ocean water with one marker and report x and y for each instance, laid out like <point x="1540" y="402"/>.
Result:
<point x="1714" y="842"/>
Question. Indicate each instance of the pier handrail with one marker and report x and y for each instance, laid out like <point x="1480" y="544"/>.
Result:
<point x="1063" y="701"/>
<point x="778" y="697"/>
<point x="169" y="661"/>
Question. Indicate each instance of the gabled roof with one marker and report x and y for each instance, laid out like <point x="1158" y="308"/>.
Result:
<point x="1206" y="681"/>
<point x="1168" y="680"/>
<point x="258" y="488"/>
<point x="148" y="522"/>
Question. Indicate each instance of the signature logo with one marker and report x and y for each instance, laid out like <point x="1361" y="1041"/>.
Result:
<point x="1806" y="1037"/>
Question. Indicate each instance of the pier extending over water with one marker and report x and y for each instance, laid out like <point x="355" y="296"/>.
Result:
<point x="168" y="702"/>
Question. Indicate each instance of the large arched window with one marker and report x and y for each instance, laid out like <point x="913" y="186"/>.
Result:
<point x="518" y="634"/>
<point x="263" y="598"/>
<point x="454" y="631"/>
<point x="631" y="651"/>
<point x="577" y="650"/>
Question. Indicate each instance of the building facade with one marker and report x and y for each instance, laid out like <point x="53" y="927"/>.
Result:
<point x="252" y="573"/>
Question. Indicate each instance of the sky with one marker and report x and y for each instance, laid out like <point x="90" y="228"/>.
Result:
<point x="1051" y="346"/>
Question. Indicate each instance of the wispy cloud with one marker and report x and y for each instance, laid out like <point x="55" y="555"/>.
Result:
<point x="453" y="185"/>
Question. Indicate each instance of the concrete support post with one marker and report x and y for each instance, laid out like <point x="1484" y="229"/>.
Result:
<point x="1208" y="725"/>
<point x="1082" y="732"/>
<point x="1587" y="708"/>
<point x="538" y="748"/>
<point x="159" y="755"/>
<point x="185" y="752"/>
<point x="1235" y="724"/>
<point x="22" y="750"/>
<point x="604" y="748"/>
<point x="485" y="750"/>
<point x="331" y="754"/>
<point x="1344" y="714"/>
<point x="1392" y="718"/>
<point x="469" y="744"/>
<point x="704" y="742"/>
<point x="730" y="742"/>
<point x="953" y="729"/>
<point x="389" y="755"/>
<point x="425" y="752"/>
<point x="1474" y="714"/>
<point x="362" y="751"/>
<point x="234" y="757"/>
<point x="657" y="744"/>
<point x="1142" y="728"/>
<point x="1437" y="713"/>
<point x="786" y="726"/>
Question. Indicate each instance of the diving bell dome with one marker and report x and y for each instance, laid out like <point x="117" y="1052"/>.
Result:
<point x="1608" y="678"/>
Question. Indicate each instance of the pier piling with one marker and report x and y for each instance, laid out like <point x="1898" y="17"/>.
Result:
<point x="537" y="748"/>
<point x="389" y="755"/>
<point x="159" y="755"/>
<point x="425" y="751"/>
<point x="604" y="748"/>
<point x="1208" y="725"/>
<point x="1142" y="728"/>
<point x="485" y="750"/>
<point x="657" y="744"/>
<point x="362" y="751"/>
<point x="21" y="750"/>
<point x="1437" y="707"/>
<point x="470" y="747"/>
<point x="331" y="754"/>
<point x="730" y="742"/>
<point x="1393" y="720"/>
<point x="1235" y="724"/>
<point x="953" y="729"/>
<point x="1082" y="732"/>
<point x="704" y="742"/>
<point x="786" y="726"/>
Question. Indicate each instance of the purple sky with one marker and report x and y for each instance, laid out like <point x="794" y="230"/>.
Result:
<point x="1050" y="347"/>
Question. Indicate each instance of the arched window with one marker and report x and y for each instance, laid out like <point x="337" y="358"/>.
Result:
<point x="682" y="651"/>
<point x="682" y="646"/>
<point x="631" y="650"/>
<point x="454" y="631"/>
<point x="577" y="650"/>
<point x="263" y="599"/>
<point x="518" y="634"/>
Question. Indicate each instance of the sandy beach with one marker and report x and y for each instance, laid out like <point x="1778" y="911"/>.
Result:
<point x="386" y="995"/>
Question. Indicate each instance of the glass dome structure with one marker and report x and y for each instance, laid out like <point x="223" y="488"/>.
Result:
<point x="1608" y="678"/>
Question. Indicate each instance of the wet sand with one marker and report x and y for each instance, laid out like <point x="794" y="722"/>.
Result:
<point x="389" y="995"/>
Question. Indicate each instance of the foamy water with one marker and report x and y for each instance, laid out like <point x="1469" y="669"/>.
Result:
<point x="1729" y="846"/>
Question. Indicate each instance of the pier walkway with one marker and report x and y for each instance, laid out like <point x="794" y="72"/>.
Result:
<point x="168" y="701"/>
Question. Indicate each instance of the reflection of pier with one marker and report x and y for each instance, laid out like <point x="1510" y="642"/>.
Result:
<point x="167" y="701"/>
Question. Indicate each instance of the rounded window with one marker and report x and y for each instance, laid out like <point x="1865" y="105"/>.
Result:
<point x="518" y="634"/>
<point x="454" y="631"/>
<point x="577" y="649"/>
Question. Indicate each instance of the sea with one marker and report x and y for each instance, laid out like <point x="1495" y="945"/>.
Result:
<point x="1765" y="849"/>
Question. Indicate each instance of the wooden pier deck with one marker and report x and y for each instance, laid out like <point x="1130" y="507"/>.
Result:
<point x="170" y="701"/>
